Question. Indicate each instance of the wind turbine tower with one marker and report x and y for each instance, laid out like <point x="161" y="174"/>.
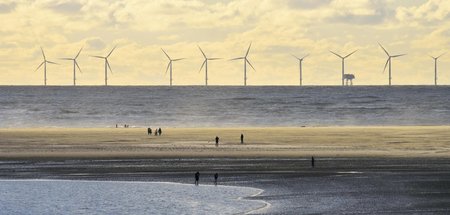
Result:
<point x="245" y="63"/>
<point x="170" y="64"/>
<point x="435" y="68"/>
<point x="300" y="60"/>
<point x="343" y="63"/>
<point x="45" y="66"/>
<point x="75" y="65"/>
<point x="205" y="63"/>
<point x="388" y="61"/>
<point x="106" y="64"/>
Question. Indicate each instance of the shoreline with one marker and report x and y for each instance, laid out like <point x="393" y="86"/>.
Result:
<point x="259" y="142"/>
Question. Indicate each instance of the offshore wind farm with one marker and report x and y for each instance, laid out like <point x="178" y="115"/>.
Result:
<point x="224" y="107"/>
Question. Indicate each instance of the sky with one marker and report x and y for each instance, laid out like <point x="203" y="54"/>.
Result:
<point x="224" y="29"/>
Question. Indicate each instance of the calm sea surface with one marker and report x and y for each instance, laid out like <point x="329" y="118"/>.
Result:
<point x="223" y="106"/>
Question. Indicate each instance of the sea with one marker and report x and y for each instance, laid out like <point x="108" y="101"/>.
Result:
<point x="222" y="106"/>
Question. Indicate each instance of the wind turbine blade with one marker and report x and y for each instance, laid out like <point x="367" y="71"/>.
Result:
<point x="98" y="56"/>
<point x="203" y="53"/>
<point x="295" y="57"/>
<point x="168" y="65"/>
<point x="66" y="58"/>
<point x="76" y="63"/>
<point x="42" y="50"/>
<point x="384" y="49"/>
<point x="250" y="64"/>
<point x="78" y="53"/>
<point x="385" y="65"/>
<point x="109" y="66"/>
<point x="52" y="62"/>
<point x="39" y="66"/>
<point x="238" y="58"/>
<point x="432" y="57"/>
<point x="166" y="54"/>
<point x="441" y="55"/>
<point x="111" y="51"/>
<point x="204" y="62"/>
<point x="248" y="50"/>
<point x="336" y="54"/>
<point x="304" y="56"/>
<point x="214" y="58"/>
<point x="178" y="59"/>
<point x="399" y="55"/>
<point x="351" y="53"/>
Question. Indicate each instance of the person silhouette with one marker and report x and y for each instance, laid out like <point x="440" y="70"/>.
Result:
<point x="242" y="138"/>
<point x="149" y="131"/>
<point x="312" y="161"/>
<point x="216" y="176"/>
<point x="217" y="141"/>
<point x="197" y="178"/>
<point x="159" y="131"/>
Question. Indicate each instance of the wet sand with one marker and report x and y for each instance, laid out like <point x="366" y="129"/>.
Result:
<point x="400" y="141"/>
<point x="291" y="186"/>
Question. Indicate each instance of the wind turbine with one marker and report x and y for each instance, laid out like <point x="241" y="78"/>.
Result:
<point x="75" y="64"/>
<point x="388" y="61"/>
<point x="106" y="64"/>
<point x="245" y="63"/>
<point x="343" y="63"/>
<point x="170" y="64"/>
<point x="300" y="60"/>
<point x="435" y="67"/>
<point x="45" y="66"/>
<point x="205" y="63"/>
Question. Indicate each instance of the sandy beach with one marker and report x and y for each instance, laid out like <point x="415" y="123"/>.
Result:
<point x="400" y="141"/>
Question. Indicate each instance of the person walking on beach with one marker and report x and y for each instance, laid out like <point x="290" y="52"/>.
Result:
<point x="312" y="161"/>
<point x="197" y="177"/>
<point x="159" y="132"/>
<point x="217" y="141"/>
<point x="216" y="176"/>
<point x="242" y="138"/>
<point x="149" y="131"/>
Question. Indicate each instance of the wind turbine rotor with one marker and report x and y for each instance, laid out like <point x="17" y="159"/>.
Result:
<point x="203" y="53"/>
<point x="248" y="50"/>
<point x="389" y="58"/>
<point x="351" y="53"/>
<point x="111" y="51"/>
<point x="203" y="64"/>
<point x="246" y="60"/>
<point x="385" y="51"/>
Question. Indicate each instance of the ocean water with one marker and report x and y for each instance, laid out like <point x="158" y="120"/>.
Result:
<point x="115" y="197"/>
<point x="223" y="106"/>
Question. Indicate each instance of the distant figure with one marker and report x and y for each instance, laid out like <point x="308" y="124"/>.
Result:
<point x="197" y="178"/>
<point x="159" y="131"/>
<point x="149" y="131"/>
<point x="116" y="126"/>
<point x="156" y="132"/>
<point x="242" y="138"/>
<point x="216" y="176"/>
<point x="217" y="141"/>
<point x="312" y="162"/>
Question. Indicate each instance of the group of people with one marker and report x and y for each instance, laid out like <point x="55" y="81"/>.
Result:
<point x="125" y="125"/>
<point x="216" y="175"/>
<point x="197" y="178"/>
<point x="157" y="132"/>
<point x="217" y="140"/>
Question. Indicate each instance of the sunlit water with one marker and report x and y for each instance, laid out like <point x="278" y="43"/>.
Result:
<point x="108" y="197"/>
<point x="223" y="106"/>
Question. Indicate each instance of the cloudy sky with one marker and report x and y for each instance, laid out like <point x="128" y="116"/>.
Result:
<point x="224" y="28"/>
